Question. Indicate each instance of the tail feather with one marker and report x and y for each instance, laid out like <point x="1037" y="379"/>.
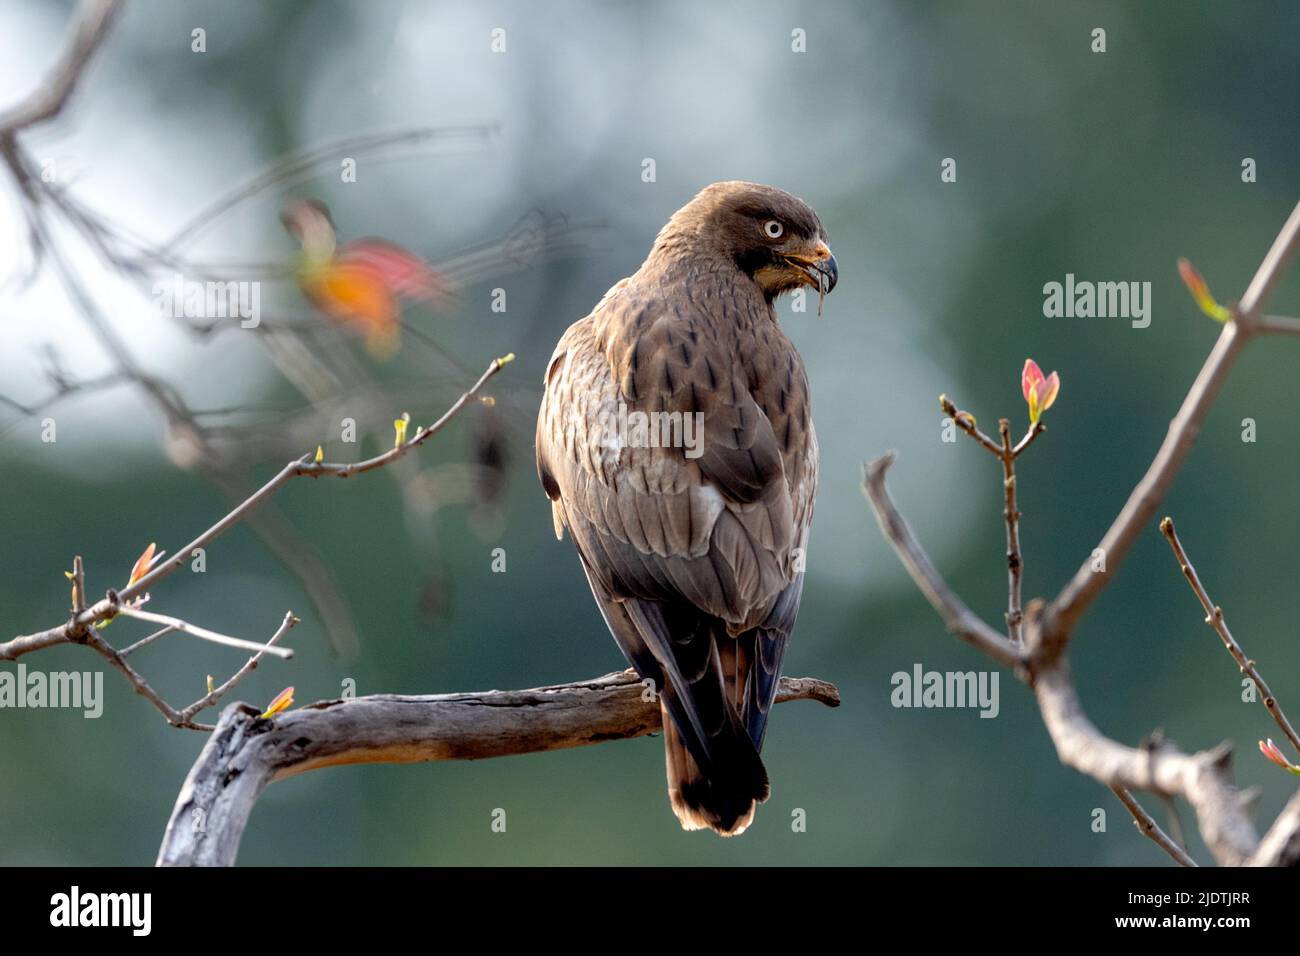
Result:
<point x="724" y="799"/>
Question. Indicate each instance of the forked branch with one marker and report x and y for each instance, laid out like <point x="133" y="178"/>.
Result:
<point x="1203" y="779"/>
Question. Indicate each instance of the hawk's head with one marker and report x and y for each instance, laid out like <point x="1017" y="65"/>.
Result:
<point x="771" y="236"/>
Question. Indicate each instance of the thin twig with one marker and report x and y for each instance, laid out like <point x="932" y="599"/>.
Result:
<point x="1011" y="514"/>
<point x="1214" y="618"/>
<point x="216" y="637"/>
<point x="146" y="641"/>
<point x="94" y="641"/>
<point x="961" y="620"/>
<point x="966" y="422"/>
<point x="305" y="466"/>
<point x="1075" y="598"/>
<point x="1148" y="827"/>
<point x="1279" y="324"/>
<point x="288" y="169"/>
<point x="94" y="18"/>
<point x="1037" y="429"/>
<point x="1223" y="811"/>
<point x="62" y="390"/>
<point x="109" y="606"/>
<point x="78" y="585"/>
<point x="213" y="696"/>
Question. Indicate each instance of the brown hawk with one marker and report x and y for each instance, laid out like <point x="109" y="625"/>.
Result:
<point x="675" y="443"/>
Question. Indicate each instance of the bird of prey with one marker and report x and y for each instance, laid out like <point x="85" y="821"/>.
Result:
<point x="676" y="445"/>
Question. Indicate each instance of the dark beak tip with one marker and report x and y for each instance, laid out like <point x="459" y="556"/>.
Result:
<point x="832" y="272"/>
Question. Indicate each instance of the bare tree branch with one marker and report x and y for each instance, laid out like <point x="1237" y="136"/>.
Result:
<point x="304" y="163"/>
<point x="1075" y="598"/>
<point x="1068" y="607"/>
<point x="81" y="627"/>
<point x="1203" y="779"/>
<point x="966" y="422"/>
<point x="1148" y="827"/>
<point x="112" y="604"/>
<point x="1281" y="844"/>
<point x="215" y="695"/>
<point x="246" y="753"/>
<point x="1214" y="618"/>
<point x="202" y="633"/>
<point x="1011" y="516"/>
<point x="961" y="620"/>
<point x="94" y="18"/>
<point x="1279" y="325"/>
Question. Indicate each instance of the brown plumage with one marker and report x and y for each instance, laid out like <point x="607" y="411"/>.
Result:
<point x="693" y="541"/>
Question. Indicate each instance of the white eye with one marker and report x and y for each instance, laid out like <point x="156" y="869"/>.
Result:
<point x="773" y="229"/>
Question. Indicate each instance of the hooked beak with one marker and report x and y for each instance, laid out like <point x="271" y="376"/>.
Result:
<point x="819" y="268"/>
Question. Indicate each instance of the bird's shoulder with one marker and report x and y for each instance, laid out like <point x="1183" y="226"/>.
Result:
<point x="728" y="511"/>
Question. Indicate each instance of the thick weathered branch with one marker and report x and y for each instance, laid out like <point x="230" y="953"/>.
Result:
<point x="245" y="753"/>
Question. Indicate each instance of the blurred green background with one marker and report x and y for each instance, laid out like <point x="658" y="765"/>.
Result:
<point x="1106" y="165"/>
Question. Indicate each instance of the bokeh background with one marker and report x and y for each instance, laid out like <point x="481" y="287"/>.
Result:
<point x="1106" y="165"/>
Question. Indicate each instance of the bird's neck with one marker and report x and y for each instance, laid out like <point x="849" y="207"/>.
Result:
<point x="708" y="275"/>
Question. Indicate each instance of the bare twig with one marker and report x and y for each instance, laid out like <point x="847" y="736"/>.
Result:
<point x="1068" y="607"/>
<point x="95" y="642"/>
<point x="1214" y="618"/>
<point x="178" y="718"/>
<point x="81" y="626"/>
<point x="305" y="162"/>
<point x="146" y="640"/>
<point x="203" y="633"/>
<point x="250" y="665"/>
<point x="1279" y="325"/>
<point x="966" y="422"/>
<point x="1011" y="514"/>
<point x="1035" y="430"/>
<point x="961" y="620"/>
<point x="94" y="18"/>
<point x="247" y="753"/>
<point x="1223" y="811"/>
<point x="114" y="604"/>
<point x="1202" y="778"/>
<point x="78" y="585"/>
<point x="62" y="390"/>
<point x="1148" y="827"/>
<point x="305" y="466"/>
